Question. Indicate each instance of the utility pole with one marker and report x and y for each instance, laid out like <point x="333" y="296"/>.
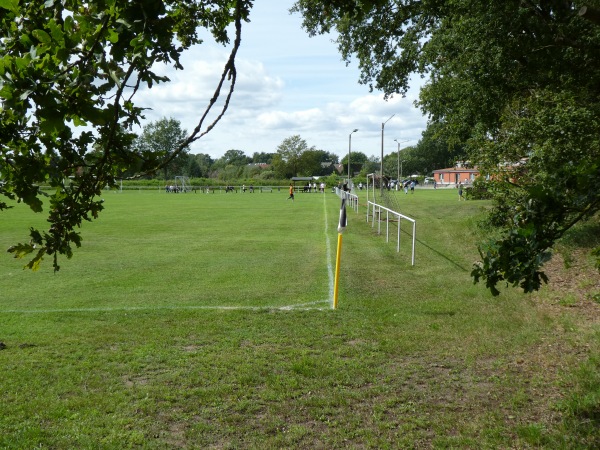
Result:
<point x="381" y="169"/>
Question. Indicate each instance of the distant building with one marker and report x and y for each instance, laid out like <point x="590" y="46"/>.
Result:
<point x="461" y="173"/>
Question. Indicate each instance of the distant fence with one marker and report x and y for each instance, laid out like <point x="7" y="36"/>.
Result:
<point x="206" y="189"/>
<point x="377" y="211"/>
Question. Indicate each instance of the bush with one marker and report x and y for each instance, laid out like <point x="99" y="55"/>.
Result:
<point x="479" y="190"/>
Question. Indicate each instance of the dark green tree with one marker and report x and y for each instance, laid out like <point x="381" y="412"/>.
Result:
<point x="231" y="165"/>
<point x="516" y="83"/>
<point x="205" y="163"/>
<point x="161" y="140"/>
<point x="262" y="157"/>
<point x="331" y="157"/>
<point x="316" y="162"/>
<point x="434" y="151"/>
<point x="287" y="161"/>
<point x="192" y="167"/>
<point x="69" y="74"/>
<point x="370" y="166"/>
<point x="408" y="164"/>
<point x="233" y="158"/>
<point x="357" y="160"/>
<point x="229" y="172"/>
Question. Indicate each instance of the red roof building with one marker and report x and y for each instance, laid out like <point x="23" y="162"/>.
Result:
<point x="454" y="175"/>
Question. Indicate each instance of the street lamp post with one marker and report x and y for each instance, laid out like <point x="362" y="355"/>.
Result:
<point x="399" y="163"/>
<point x="349" y="150"/>
<point x="381" y="169"/>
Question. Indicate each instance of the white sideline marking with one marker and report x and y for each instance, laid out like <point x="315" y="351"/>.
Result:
<point x="329" y="265"/>
<point x="300" y="307"/>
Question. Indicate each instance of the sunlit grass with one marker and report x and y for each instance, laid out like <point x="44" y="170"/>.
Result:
<point x="199" y="321"/>
<point x="150" y="249"/>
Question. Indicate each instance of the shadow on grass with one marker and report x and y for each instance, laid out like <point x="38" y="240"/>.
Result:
<point x="437" y="252"/>
<point x="584" y="235"/>
<point x="443" y="256"/>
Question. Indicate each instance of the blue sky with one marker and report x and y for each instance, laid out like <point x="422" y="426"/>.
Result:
<point x="288" y="84"/>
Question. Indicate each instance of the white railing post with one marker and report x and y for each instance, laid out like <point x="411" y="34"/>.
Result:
<point x="373" y="221"/>
<point x="387" y="225"/>
<point x="376" y="210"/>
<point x="398" y="240"/>
<point x="413" y="242"/>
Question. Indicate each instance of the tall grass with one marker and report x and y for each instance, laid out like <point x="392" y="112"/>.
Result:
<point x="204" y="321"/>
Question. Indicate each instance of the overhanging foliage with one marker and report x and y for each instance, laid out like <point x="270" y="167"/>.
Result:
<point x="512" y="81"/>
<point x="69" y="73"/>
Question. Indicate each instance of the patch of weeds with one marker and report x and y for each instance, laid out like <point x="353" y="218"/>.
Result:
<point x="596" y="297"/>
<point x="533" y="434"/>
<point x="568" y="259"/>
<point x="520" y="399"/>
<point x="587" y="283"/>
<point x="568" y="324"/>
<point x="582" y="407"/>
<point x="568" y="300"/>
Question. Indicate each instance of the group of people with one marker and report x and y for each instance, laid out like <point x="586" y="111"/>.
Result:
<point x="409" y="185"/>
<point x="173" y="189"/>
<point x="308" y="187"/>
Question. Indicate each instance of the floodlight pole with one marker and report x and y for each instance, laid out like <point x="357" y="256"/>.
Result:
<point x="381" y="168"/>
<point x="349" y="150"/>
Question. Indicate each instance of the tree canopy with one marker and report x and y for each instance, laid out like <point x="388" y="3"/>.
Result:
<point x="517" y="83"/>
<point x="159" y="141"/>
<point x="295" y="158"/>
<point x="69" y="74"/>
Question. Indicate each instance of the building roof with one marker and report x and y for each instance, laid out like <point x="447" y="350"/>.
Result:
<point x="457" y="169"/>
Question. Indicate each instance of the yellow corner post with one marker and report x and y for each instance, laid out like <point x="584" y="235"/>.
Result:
<point x="341" y="228"/>
<point x="337" y="271"/>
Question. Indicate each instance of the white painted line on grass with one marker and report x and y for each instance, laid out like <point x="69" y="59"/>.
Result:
<point x="298" y="307"/>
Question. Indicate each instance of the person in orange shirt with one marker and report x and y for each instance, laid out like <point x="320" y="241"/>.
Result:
<point x="291" y="192"/>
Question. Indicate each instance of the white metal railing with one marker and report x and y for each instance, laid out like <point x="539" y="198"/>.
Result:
<point x="375" y="210"/>
<point x="351" y="199"/>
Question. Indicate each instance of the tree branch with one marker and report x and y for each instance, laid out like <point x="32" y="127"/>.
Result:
<point x="229" y="73"/>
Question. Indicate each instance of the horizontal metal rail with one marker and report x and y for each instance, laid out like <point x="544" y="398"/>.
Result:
<point x="376" y="210"/>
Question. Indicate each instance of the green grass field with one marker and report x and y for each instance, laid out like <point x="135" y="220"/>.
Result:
<point x="152" y="249"/>
<point x="205" y="321"/>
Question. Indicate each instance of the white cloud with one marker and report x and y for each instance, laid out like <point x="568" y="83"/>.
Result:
<point x="287" y="83"/>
